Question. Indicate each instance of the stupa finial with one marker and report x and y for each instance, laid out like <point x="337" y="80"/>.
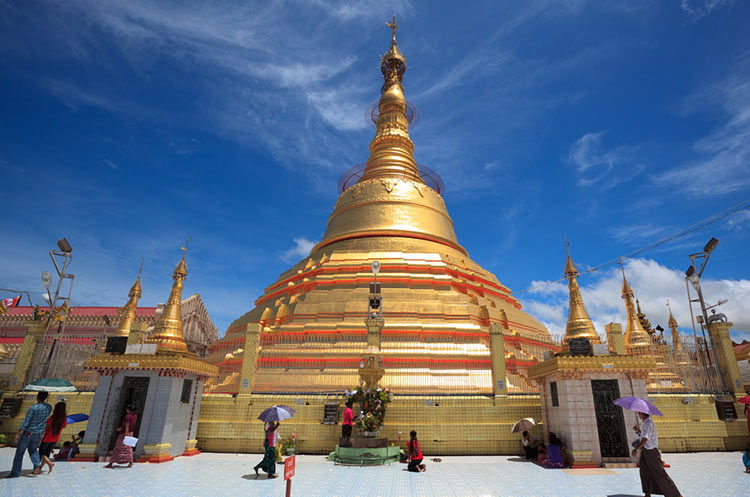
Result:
<point x="392" y="151"/>
<point x="579" y="323"/>
<point x="128" y="310"/>
<point x="167" y="332"/>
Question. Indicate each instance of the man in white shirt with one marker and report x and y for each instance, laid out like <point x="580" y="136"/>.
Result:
<point x="654" y="479"/>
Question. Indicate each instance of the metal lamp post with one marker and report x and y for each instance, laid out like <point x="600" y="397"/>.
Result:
<point x="63" y="255"/>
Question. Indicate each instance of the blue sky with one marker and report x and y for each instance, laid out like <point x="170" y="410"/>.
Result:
<point x="129" y="125"/>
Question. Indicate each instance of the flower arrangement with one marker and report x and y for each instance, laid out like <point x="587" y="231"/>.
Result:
<point x="373" y="403"/>
<point x="289" y="446"/>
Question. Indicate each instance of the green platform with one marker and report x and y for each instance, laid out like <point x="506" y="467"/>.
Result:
<point x="365" y="456"/>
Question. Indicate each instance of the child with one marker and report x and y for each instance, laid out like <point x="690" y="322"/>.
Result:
<point x="64" y="452"/>
<point x="415" y="454"/>
<point x="746" y="459"/>
<point x="77" y="439"/>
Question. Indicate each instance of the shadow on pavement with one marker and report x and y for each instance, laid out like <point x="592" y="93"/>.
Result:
<point x="24" y="472"/>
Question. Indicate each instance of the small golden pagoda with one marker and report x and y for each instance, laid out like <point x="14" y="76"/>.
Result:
<point x="167" y="332"/>
<point x="680" y="356"/>
<point x="438" y="304"/>
<point x="637" y="339"/>
<point x="579" y="322"/>
<point x="128" y="310"/>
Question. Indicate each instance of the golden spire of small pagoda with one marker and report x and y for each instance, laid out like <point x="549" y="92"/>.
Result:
<point x="392" y="151"/>
<point x="579" y="322"/>
<point x="635" y="335"/>
<point x="167" y="332"/>
<point x="643" y="319"/>
<point x="128" y="311"/>
<point x="672" y="323"/>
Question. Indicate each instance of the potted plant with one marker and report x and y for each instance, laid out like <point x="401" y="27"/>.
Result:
<point x="3" y="440"/>
<point x="289" y="446"/>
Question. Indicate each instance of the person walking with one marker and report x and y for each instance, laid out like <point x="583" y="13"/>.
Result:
<point x="415" y="454"/>
<point x="123" y="454"/>
<point x="55" y="425"/>
<point x="348" y="422"/>
<point x="29" y="435"/>
<point x="268" y="464"/>
<point x="654" y="479"/>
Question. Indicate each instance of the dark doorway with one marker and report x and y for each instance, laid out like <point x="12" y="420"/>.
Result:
<point x="133" y="393"/>
<point x="609" y="420"/>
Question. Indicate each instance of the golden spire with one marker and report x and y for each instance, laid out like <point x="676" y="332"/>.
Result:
<point x="392" y="151"/>
<point x="635" y="335"/>
<point x="128" y="311"/>
<point x="672" y="323"/>
<point x="167" y="332"/>
<point x="643" y="319"/>
<point x="579" y="322"/>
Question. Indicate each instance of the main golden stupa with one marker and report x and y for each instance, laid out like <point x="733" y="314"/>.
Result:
<point x="438" y="304"/>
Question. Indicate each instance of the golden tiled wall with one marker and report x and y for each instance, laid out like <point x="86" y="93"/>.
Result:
<point x="445" y="425"/>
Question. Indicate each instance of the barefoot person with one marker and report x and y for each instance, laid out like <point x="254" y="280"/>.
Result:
<point x="123" y="454"/>
<point x="654" y="479"/>
<point x="55" y="425"/>
<point x="268" y="464"/>
<point x="348" y="422"/>
<point x="415" y="454"/>
<point x="30" y="434"/>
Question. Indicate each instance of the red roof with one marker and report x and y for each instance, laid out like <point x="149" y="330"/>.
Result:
<point x="83" y="311"/>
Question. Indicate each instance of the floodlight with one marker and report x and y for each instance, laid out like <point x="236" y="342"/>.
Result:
<point x="695" y="280"/>
<point x="46" y="279"/>
<point x="711" y="245"/>
<point x="722" y="301"/>
<point x="690" y="271"/>
<point x="63" y="244"/>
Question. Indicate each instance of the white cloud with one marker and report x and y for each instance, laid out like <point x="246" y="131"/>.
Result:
<point x="302" y="247"/>
<point x="654" y="284"/>
<point x="696" y="9"/>
<point x="602" y="167"/>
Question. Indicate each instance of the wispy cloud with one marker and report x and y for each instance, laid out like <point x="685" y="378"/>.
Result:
<point x="302" y="247"/>
<point x="722" y="157"/>
<point x="696" y="9"/>
<point x="600" y="166"/>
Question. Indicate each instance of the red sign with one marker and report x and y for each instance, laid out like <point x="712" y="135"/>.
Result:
<point x="289" y="465"/>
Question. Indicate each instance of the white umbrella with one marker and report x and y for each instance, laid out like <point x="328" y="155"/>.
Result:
<point x="523" y="424"/>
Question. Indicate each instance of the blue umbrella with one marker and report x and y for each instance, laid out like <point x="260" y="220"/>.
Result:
<point x="75" y="418"/>
<point x="276" y="413"/>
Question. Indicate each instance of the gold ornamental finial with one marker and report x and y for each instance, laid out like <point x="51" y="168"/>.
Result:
<point x="128" y="311"/>
<point x="579" y="322"/>
<point x="635" y="336"/>
<point x="167" y="332"/>
<point x="393" y="27"/>
<point x="392" y="151"/>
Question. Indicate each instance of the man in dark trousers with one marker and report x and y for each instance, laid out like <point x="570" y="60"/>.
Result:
<point x="30" y="435"/>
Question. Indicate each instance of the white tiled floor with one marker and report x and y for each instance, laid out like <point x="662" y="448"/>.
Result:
<point x="715" y="474"/>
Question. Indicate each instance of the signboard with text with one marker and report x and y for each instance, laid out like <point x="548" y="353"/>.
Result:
<point x="289" y="465"/>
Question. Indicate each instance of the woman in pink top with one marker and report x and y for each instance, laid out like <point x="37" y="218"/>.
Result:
<point x="268" y="464"/>
<point x="123" y="454"/>
<point x="346" y="424"/>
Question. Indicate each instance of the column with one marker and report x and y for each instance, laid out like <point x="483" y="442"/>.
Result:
<point x="250" y="357"/>
<point x="615" y="339"/>
<point x="374" y="327"/>
<point x="497" y="348"/>
<point x="722" y="344"/>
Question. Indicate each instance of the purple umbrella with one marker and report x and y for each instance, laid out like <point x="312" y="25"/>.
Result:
<point x="638" y="405"/>
<point x="276" y="413"/>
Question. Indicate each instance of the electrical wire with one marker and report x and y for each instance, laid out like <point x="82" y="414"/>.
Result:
<point x="745" y="204"/>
